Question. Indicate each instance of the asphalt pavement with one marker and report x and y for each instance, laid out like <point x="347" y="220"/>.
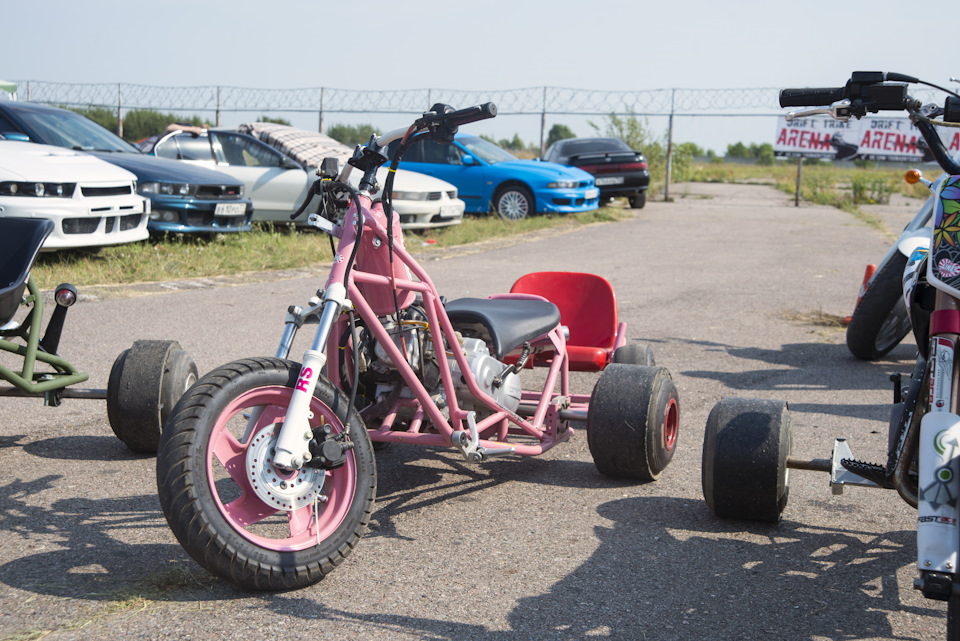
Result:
<point x="737" y="291"/>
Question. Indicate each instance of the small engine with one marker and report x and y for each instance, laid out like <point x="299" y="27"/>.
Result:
<point x="489" y="373"/>
<point x="379" y="378"/>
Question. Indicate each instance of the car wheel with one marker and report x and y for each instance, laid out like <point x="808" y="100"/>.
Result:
<point x="638" y="200"/>
<point x="513" y="202"/>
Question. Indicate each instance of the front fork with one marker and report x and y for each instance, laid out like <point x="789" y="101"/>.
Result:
<point x="293" y="443"/>
<point x="938" y="507"/>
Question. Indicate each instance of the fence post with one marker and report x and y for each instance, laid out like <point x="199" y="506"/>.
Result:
<point x="119" y="111"/>
<point x="796" y="197"/>
<point x="320" y="123"/>
<point x="543" y="122"/>
<point x="666" y="183"/>
<point x="218" y="106"/>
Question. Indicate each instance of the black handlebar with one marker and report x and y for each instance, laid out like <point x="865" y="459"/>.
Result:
<point x="871" y="92"/>
<point x="813" y="97"/>
<point x="442" y="120"/>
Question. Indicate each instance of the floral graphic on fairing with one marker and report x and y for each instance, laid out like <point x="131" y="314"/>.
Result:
<point x="946" y="243"/>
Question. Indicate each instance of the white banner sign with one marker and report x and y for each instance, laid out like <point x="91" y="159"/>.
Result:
<point x="870" y="138"/>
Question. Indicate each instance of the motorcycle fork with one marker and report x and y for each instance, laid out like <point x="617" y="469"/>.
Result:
<point x="938" y="469"/>
<point x="293" y="442"/>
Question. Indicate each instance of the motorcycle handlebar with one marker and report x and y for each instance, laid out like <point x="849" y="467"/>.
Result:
<point x="811" y="97"/>
<point x="444" y="116"/>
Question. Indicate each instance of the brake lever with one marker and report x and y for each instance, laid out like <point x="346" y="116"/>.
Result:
<point x="839" y="110"/>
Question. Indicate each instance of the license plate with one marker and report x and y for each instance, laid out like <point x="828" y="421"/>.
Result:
<point x="449" y="212"/>
<point x="230" y="209"/>
<point x="591" y="193"/>
<point x="612" y="180"/>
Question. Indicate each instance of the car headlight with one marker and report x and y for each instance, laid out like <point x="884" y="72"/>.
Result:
<point x="563" y="184"/>
<point x="37" y="190"/>
<point x="409" y="195"/>
<point x="166" y="189"/>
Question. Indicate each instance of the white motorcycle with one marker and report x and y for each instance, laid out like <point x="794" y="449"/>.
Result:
<point x="746" y="449"/>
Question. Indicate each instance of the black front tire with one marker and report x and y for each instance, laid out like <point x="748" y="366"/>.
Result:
<point x="880" y="320"/>
<point x="219" y="490"/>
<point x="744" y="471"/>
<point x="633" y="421"/>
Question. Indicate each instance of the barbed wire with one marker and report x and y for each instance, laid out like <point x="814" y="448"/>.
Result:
<point x="529" y="100"/>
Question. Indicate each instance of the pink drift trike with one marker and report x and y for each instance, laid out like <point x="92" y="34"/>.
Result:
<point x="266" y="469"/>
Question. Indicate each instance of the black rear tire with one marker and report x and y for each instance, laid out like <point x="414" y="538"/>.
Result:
<point x="638" y="200"/>
<point x="745" y="448"/>
<point x="145" y="382"/>
<point x="635" y="354"/>
<point x="633" y="421"/>
<point x="880" y="320"/>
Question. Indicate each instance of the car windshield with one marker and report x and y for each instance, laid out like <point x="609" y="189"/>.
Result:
<point x="67" y="129"/>
<point x="594" y="146"/>
<point x="485" y="150"/>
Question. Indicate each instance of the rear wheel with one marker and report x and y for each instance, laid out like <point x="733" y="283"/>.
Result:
<point x="234" y="512"/>
<point x="745" y="449"/>
<point x="638" y="200"/>
<point x="633" y="421"/>
<point x="514" y="202"/>
<point x="145" y="382"/>
<point x="635" y="354"/>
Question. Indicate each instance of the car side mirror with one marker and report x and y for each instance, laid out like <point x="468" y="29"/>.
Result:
<point x="467" y="159"/>
<point x="289" y="163"/>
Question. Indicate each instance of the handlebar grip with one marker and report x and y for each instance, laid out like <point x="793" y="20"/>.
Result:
<point x="470" y="114"/>
<point x="811" y="97"/>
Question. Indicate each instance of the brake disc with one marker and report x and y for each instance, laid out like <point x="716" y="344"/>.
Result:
<point x="287" y="491"/>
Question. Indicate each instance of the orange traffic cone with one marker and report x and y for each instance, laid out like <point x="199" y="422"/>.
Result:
<point x="867" y="275"/>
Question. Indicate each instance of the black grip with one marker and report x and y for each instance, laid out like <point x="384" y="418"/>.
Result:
<point x="811" y="97"/>
<point x="470" y="114"/>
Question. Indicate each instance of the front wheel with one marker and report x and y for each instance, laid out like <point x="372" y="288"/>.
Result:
<point x="514" y="202"/>
<point x="880" y="320"/>
<point x="235" y="513"/>
<point x="633" y="421"/>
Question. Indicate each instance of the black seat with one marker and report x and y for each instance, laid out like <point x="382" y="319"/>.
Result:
<point x="20" y="240"/>
<point x="505" y="323"/>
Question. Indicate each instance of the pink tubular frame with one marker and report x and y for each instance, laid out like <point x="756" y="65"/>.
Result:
<point x="545" y="425"/>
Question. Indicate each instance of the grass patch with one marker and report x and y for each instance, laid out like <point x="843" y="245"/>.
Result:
<point x="268" y="247"/>
<point x="131" y="600"/>
<point x="818" y="318"/>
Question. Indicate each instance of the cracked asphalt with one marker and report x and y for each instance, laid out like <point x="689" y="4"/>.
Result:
<point x="736" y="290"/>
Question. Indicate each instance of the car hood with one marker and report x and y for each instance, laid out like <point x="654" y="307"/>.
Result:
<point x="547" y="170"/>
<point x="150" y="168"/>
<point x="27" y="161"/>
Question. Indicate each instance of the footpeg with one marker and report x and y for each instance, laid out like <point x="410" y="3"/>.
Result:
<point x="469" y="443"/>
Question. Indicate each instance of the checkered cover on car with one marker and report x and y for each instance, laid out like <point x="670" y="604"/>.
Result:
<point x="306" y="147"/>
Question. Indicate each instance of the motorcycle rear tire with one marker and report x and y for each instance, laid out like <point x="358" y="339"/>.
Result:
<point x="880" y="320"/>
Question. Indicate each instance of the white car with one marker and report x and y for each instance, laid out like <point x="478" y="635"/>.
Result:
<point x="91" y="202"/>
<point x="277" y="165"/>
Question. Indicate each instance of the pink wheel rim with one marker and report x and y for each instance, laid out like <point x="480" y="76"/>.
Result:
<point x="671" y="424"/>
<point x="224" y="451"/>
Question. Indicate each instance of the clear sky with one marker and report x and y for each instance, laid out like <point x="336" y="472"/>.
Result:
<point x="490" y="45"/>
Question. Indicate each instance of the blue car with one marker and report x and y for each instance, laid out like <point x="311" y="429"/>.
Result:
<point x="182" y="197"/>
<point x="488" y="178"/>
